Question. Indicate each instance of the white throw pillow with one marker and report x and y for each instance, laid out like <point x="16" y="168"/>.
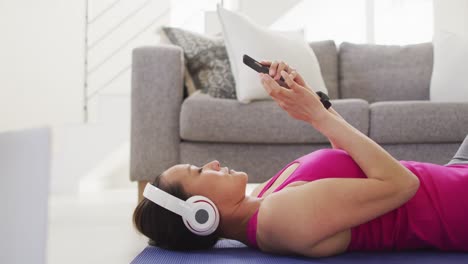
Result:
<point x="242" y="36"/>
<point x="449" y="82"/>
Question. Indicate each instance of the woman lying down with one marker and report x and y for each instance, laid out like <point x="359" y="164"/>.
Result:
<point x="355" y="196"/>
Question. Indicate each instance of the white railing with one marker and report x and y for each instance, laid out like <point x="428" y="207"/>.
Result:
<point x="112" y="30"/>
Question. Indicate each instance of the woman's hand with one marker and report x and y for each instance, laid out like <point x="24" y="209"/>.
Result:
<point x="300" y="102"/>
<point x="275" y="70"/>
<point x="277" y="66"/>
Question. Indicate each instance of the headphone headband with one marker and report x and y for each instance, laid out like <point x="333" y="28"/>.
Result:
<point x="166" y="200"/>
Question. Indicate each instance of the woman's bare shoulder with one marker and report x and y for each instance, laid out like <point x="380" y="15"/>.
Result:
<point x="281" y="229"/>
<point x="267" y="235"/>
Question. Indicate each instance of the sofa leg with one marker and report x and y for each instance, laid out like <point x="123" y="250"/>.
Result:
<point x="141" y="188"/>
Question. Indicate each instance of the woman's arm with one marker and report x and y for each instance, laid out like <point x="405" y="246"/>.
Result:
<point x="324" y="207"/>
<point x="303" y="104"/>
<point x="331" y="110"/>
<point x="275" y="72"/>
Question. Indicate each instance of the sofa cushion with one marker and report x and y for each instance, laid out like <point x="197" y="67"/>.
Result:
<point x="207" y="119"/>
<point x="243" y="36"/>
<point x="385" y="73"/>
<point x="212" y="73"/>
<point x="418" y="122"/>
<point x="327" y="56"/>
<point x="206" y="60"/>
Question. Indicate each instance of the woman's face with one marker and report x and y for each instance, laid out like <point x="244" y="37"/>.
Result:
<point x="222" y="185"/>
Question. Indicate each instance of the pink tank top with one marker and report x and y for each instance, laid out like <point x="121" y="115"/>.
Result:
<point x="436" y="216"/>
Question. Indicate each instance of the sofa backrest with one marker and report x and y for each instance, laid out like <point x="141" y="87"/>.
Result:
<point x="327" y="56"/>
<point x="385" y="73"/>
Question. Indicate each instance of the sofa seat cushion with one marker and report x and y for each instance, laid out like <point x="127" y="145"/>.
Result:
<point x="207" y="119"/>
<point x="418" y="122"/>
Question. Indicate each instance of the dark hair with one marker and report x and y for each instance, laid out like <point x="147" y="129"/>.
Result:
<point x="166" y="229"/>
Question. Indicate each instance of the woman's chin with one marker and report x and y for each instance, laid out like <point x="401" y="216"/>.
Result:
<point x="243" y="174"/>
<point x="239" y="173"/>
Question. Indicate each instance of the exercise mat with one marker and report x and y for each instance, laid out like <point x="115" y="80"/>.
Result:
<point x="228" y="251"/>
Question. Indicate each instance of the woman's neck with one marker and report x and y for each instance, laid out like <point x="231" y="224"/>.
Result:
<point x="234" y="222"/>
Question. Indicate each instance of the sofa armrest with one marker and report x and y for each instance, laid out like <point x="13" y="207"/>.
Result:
<point x="157" y="94"/>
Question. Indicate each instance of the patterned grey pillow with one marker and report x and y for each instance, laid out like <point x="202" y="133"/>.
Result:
<point x="207" y="62"/>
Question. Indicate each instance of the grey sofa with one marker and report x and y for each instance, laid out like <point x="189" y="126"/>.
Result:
<point x="381" y="90"/>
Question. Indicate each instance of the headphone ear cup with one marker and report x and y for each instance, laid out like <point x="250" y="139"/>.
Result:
<point x="205" y="217"/>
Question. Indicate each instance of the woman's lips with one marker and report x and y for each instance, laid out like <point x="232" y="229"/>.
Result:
<point x="229" y="171"/>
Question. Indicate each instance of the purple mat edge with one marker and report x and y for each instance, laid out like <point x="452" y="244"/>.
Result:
<point x="231" y="251"/>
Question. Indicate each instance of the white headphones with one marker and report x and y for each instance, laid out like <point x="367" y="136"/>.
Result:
<point x="199" y="213"/>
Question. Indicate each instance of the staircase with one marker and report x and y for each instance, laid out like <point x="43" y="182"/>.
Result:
<point x="95" y="155"/>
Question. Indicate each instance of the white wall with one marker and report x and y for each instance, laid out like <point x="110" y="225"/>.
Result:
<point x="451" y="15"/>
<point x="266" y="12"/>
<point x="254" y="10"/>
<point x="42" y="71"/>
<point x="41" y="62"/>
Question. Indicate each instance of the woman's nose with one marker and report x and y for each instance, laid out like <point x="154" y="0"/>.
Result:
<point x="214" y="165"/>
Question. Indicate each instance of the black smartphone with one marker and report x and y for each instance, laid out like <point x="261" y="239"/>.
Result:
<point x="258" y="67"/>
